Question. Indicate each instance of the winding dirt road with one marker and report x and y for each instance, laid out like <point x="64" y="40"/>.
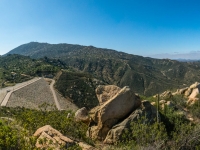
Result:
<point x="54" y="94"/>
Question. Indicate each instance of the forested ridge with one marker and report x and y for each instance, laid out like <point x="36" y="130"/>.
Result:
<point x="78" y="71"/>
<point x="144" y="75"/>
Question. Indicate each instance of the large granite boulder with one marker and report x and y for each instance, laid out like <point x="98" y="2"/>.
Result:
<point x="81" y="115"/>
<point x="112" y="111"/>
<point x="49" y="137"/>
<point x="105" y="92"/>
<point x="188" y="92"/>
<point x="195" y="85"/>
<point x="146" y="113"/>
<point x="194" y="93"/>
<point x="182" y="91"/>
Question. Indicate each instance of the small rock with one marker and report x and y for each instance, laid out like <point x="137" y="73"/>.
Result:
<point x="170" y="104"/>
<point x="81" y="115"/>
<point x="162" y="102"/>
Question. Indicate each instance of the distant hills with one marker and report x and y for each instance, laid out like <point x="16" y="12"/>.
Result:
<point x="187" y="60"/>
<point x="190" y="56"/>
<point x="145" y="75"/>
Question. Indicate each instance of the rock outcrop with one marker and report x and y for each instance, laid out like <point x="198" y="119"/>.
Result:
<point x="166" y="95"/>
<point x="146" y="113"/>
<point x="180" y="91"/>
<point x="191" y="93"/>
<point x="104" y="93"/>
<point x="112" y="111"/>
<point x="49" y="137"/>
<point x="81" y="115"/>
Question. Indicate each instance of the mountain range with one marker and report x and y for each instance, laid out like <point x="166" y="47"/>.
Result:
<point x="144" y="75"/>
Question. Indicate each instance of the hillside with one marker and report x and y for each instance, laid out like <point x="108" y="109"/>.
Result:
<point x="79" y="87"/>
<point x="146" y="76"/>
<point x="17" y="68"/>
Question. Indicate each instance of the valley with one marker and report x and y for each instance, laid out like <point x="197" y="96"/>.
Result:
<point x="92" y="98"/>
<point x="143" y="74"/>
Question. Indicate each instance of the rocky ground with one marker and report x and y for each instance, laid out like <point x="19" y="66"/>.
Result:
<point x="116" y="110"/>
<point x="3" y="91"/>
<point x="37" y="95"/>
<point x="34" y="96"/>
<point x="65" y="103"/>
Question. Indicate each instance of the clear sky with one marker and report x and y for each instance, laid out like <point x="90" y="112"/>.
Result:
<point x="141" y="27"/>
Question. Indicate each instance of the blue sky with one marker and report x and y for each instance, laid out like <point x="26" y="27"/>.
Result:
<point x="141" y="27"/>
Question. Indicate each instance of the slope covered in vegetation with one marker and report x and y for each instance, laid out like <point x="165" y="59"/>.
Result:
<point x="17" y="68"/>
<point x="17" y="126"/>
<point x="80" y="87"/>
<point x="144" y="75"/>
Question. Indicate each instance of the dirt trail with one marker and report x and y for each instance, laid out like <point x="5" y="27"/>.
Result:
<point x="54" y="95"/>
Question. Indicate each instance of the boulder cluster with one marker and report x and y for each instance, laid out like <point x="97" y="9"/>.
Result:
<point x="117" y="108"/>
<point x="190" y="93"/>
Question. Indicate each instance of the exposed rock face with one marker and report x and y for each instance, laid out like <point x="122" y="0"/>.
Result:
<point x="146" y="110"/>
<point x="166" y="95"/>
<point x="111" y="111"/>
<point x="194" y="93"/>
<point x="190" y="93"/>
<point x="105" y="92"/>
<point x="193" y="96"/>
<point x="51" y="138"/>
<point x="195" y="85"/>
<point x="81" y="115"/>
<point x="181" y="91"/>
